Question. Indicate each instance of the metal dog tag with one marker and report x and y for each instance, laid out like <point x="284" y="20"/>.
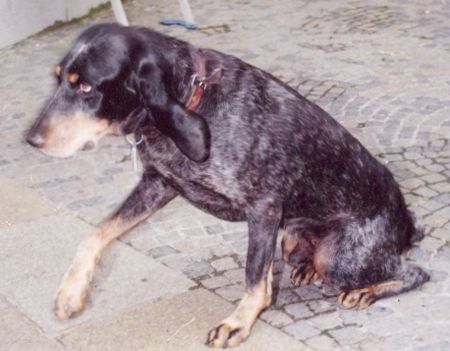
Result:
<point x="131" y="139"/>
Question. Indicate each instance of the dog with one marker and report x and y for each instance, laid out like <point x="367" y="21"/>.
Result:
<point x="241" y="145"/>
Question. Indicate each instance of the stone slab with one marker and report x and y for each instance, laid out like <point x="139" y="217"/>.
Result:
<point x="36" y="254"/>
<point x="19" y="204"/>
<point x="18" y="333"/>
<point x="178" y="323"/>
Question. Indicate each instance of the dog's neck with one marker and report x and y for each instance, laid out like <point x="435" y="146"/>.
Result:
<point x="200" y="79"/>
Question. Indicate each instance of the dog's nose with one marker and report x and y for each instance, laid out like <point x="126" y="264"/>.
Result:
<point x="35" y="140"/>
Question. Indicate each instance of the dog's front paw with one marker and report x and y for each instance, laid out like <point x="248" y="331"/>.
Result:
<point x="226" y="335"/>
<point x="71" y="295"/>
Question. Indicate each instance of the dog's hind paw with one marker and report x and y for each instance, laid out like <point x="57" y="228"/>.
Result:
<point x="362" y="298"/>
<point x="225" y="336"/>
<point x="304" y="275"/>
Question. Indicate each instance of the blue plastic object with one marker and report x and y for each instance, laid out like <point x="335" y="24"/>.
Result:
<point x="178" y="22"/>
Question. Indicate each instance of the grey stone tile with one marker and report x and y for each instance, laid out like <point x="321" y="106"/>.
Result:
<point x="298" y="310"/>
<point x="215" y="282"/>
<point x="30" y="276"/>
<point x="322" y="343"/>
<point x="327" y="321"/>
<point x="18" y="333"/>
<point x="276" y="318"/>
<point x="224" y="264"/>
<point x="231" y="293"/>
<point x="301" y="330"/>
<point x="349" y="335"/>
<point x="19" y="204"/>
<point x="177" y="323"/>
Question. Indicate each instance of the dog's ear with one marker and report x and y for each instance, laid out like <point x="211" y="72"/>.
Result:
<point x="187" y="129"/>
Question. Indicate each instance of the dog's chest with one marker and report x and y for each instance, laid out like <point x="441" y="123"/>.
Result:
<point x="205" y="185"/>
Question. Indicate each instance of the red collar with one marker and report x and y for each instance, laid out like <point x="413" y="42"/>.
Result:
<point x="199" y="85"/>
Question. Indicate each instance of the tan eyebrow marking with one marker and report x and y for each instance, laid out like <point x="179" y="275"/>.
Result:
<point x="73" y="77"/>
<point x="58" y="70"/>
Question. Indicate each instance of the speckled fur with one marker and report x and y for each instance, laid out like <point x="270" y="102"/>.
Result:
<point x="254" y="150"/>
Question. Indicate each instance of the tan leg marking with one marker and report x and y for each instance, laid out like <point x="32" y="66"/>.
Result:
<point x="74" y="287"/>
<point x="288" y="243"/>
<point x="304" y="275"/>
<point x="364" y="297"/>
<point x="233" y="330"/>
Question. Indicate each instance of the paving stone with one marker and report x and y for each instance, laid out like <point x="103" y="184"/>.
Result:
<point x="223" y="264"/>
<point x="236" y="275"/>
<point x="419" y="171"/>
<point x="412" y="155"/>
<point x="168" y="238"/>
<point x="442" y="187"/>
<point x="438" y="218"/>
<point x="425" y="192"/>
<point x="412" y="183"/>
<point x="231" y="293"/>
<point x="385" y="326"/>
<point x="310" y="292"/>
<point x="276" y="318"/>
<point x="439" y="307"/>
<point x="327" y="321"/>
<point x="377" y="311"/>
<point x="443" y="234"/>
<point x="215" y="282"/>
<point x="433" y="178"/>
<point x="161" y="251"/>
<point x="430" y="244"/>
<point x="198" y="269"/>
<point x="298" y="310"/>
<point x="348" y="335"/>
<point x="435" y="346"/>
<point x="435" y="168"/>
<point x="352" y="316"/>
<point x="322" y="342"/>
<point x="443" y="199"/>
<point x="320" y="306"/>
<point x="301" y="330"/>
<point x="431" y="204"/>
<point x="286" y="296"/>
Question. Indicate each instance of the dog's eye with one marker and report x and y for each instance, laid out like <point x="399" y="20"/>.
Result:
<point x="85" y="88"/>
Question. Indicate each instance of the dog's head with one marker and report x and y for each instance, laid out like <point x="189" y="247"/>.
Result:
<point x="112" y="81"/>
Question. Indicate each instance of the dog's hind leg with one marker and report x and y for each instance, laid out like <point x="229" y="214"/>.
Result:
<point x="362" y="260"/>
<point x="263" y="224"/>
<point x="149" y="195"/>
<point x="407" y="278"/>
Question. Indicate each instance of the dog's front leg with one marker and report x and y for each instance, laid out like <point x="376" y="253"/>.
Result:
<point x="263" y="223"/>
<point x="149" y="195"/>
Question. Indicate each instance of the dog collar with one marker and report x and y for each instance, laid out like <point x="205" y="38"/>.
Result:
<point x="198" y="86"/>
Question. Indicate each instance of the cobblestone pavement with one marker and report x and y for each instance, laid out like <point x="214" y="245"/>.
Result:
<point x="382" y="68"/>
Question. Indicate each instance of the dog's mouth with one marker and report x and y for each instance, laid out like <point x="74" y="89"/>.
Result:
<point x="65" y="136"/>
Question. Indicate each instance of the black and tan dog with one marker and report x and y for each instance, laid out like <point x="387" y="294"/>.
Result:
<point x="241" y="145"/>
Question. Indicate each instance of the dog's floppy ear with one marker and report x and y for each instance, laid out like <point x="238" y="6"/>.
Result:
<point x="187" y="129"/>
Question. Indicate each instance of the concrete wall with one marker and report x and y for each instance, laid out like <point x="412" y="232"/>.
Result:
<point x="22" y="18"/>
